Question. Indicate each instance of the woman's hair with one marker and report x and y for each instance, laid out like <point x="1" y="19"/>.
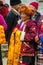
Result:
<point x="6" y="5"/>
<point x="26" y="10"/>
<point x="1" y="3"/>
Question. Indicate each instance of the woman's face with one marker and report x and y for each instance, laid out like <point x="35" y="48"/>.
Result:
<point x="24" y="17"/>
<point x="33" y="9"/>
<point x="17" y="6"/>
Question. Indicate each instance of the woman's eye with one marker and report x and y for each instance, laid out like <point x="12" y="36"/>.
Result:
<point x="32" y="10"/>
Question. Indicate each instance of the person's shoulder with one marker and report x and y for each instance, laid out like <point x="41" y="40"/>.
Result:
<point x="10" y="14"/>
<point x="1" y="17"/>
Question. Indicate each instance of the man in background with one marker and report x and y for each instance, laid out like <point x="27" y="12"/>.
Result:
<point x="12" y="17"/>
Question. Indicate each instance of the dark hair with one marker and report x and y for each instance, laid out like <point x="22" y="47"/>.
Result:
<point x="6" y="5"/>
<point x="1" y="3"/>
<point x="14" y="2"/>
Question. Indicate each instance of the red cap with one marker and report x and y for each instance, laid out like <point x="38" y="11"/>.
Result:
<point x="35" y="4"/>
<point x="4" y="11"/>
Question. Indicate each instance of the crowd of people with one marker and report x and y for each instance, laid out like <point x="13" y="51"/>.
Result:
<point x="23" y="26"/>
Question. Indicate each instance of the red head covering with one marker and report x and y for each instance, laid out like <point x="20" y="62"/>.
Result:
<point x="35" y="4"/>
<point x="4" y="11"/>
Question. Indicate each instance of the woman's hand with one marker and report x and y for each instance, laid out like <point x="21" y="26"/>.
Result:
<point x="37" y="40"/>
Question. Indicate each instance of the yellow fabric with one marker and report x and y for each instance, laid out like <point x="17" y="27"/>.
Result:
<point x="11" y="51"/>
<point x="14" y="48"/>
<point x="2" y="35"/>
<point x="17" y="47"/>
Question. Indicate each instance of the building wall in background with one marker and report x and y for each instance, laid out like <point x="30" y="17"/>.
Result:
<point x="41" y="8"/>
<point x="27" y="1"/>
<point x="7" y="1"/>
<point x="23" y="1"/>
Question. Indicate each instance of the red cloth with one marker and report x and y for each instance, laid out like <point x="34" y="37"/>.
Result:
<point x="15" y="28"/>
<point x="30" y="31"/>
<point x="35" y="4"/>
<point x="24" y="64"/>
<point x="25" y="49"/>
<point x="4" y="11"/>
<point x="41" y="28"/>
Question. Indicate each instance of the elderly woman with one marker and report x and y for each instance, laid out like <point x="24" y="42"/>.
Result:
<point x="27" y="35"/>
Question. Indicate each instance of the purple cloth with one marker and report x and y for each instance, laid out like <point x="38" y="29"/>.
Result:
<point x="2" y="22"/>
<point x="39" y="21"/>
<point x="21" y="26"/>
